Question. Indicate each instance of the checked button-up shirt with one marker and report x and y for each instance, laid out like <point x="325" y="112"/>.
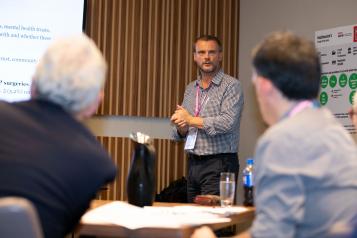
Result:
<point x="221" y="112"/>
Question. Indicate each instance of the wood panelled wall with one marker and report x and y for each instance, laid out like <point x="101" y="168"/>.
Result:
<point x="148" y="47"/>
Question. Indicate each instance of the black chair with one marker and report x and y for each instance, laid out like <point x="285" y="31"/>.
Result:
<point x="18" y="219"/>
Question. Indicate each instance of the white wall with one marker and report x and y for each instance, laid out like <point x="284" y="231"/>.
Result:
<point x="258" y="18"/>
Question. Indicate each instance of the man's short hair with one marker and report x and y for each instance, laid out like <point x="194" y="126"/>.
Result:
<point x="71" y="73"/>
<point x="291" y="63"/>
<point x="208" y="38"/>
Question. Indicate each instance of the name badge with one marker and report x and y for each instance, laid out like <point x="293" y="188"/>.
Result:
<point x="191" y="138"/>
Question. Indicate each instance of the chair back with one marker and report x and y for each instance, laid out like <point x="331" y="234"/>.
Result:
<point x="18" y="219"/>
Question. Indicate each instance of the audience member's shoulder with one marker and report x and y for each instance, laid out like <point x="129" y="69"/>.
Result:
<point x="11" y="111"/>
<point x="3" y="103"/>
<point x="316" y="123"/>
<point x="284" y="130"/>
<point x="5" y="106"/>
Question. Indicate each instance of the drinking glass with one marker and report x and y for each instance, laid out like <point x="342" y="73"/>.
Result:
<point x="227" y="187"/>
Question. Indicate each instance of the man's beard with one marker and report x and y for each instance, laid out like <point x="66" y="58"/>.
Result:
<point x="208" y="71"/>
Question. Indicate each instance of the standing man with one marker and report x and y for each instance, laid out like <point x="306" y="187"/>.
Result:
<point x="209" y="120"/>
<point x="306" y="162"/>
<point x="46" y="154"/>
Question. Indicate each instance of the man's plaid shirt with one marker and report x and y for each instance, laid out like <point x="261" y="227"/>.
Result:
<point x="221" y="114"/>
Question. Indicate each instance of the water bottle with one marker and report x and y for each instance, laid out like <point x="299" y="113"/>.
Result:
<point x="248" y="183"/>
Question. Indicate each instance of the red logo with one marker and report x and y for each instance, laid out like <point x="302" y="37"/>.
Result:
<point x="355" y="34"/>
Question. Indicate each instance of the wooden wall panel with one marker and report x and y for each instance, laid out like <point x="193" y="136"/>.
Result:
<point x="170" y="164"/>
<point x="148" y="46"/>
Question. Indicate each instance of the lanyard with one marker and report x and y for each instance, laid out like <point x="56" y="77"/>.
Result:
<point x="300" y="106"/>
<point x="198" y="106"/>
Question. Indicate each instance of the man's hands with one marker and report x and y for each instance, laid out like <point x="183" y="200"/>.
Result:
<point x="181" y="118"/>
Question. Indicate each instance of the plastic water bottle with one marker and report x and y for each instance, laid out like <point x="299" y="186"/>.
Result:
<point x="248" y="183"/>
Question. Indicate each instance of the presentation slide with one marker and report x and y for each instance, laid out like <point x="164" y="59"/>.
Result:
<point x="27" y="27"/>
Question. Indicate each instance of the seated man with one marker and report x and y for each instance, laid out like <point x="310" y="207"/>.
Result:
<point x="46" y="154"/>
<point x="346" y="229"/>
<point x="306" y="162"/>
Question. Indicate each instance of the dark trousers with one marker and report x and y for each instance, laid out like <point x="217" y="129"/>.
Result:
<point x="204" y="173"/>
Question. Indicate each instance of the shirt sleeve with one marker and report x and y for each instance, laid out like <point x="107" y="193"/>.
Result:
<point x="175" y="135"/>
<point x="279" y="193"/>
<point x="230" y="114"/>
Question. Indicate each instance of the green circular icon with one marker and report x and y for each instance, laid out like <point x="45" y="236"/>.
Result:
<point x="323" y="98"/>
<point x="342" y="80"/>
<point x="324" y="81"/>
<point x="351" y="97"/>
<point x="353" y="81"/>
<point x="333" y="81"/>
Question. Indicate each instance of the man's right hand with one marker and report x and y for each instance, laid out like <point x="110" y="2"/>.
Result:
<point x="180" y="123"/>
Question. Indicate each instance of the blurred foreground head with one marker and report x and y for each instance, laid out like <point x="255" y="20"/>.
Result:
<point x="71" y="73"/>
<point x="291" y="63"/>
<point x="353" y="112"/>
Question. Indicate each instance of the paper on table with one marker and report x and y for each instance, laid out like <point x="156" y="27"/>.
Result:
<point x="221" y="211"/>
<point x="132" y="217"/>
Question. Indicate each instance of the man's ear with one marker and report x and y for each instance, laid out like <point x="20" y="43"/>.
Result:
<point x="194" y="57"/>
<point x="220" y="56"/>
<point x="266" y="86"/>
<point x="91" y="108"/>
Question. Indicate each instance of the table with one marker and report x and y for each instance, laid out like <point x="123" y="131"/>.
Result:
<point x="112" y="230"/>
